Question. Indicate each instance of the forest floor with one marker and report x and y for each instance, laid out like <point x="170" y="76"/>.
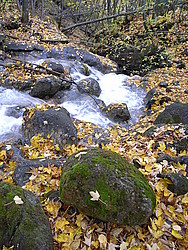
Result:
<point x="168" y="227"/>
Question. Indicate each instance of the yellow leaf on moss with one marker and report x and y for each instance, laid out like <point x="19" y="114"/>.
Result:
<point x="141" y="236"/>
<point x="134" y="248"/>
<point x="75" y="244"/>
<point x="95" y="244"/>
<point x="153" y="225"/>
<point x="79" y="218"/>
<point x="167" y="192"/>
<point x="159" y="222"/>
<point x="148" y="167"/>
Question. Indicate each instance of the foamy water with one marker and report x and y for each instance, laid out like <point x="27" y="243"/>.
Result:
<point x="115" y="89"/>
<point x="12" y="104"/>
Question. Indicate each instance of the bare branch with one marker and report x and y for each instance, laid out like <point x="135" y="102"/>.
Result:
<point x="100" y="19"/>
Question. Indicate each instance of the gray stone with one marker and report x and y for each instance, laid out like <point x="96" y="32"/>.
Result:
<point x="163" y="84"/>
<point x="48" y="87"/>
<point x="181" y="145"/>
<point x="179" y="183"/>
<point x="148" y="99"/>
<point x="125" y="195"/>
<point x="83" y="68"/>
<point x="57" y="67"/>
<point x="117" y="112"/>
<point x="23" y="225"/>
<point x="89" y="86"/>
<point x="54" y="122"/>
<point x="174" y="113"/>
<point x="21" y="173"/>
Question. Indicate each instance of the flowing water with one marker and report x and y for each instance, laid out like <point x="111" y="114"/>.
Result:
<point x="115" y="89"/>
<point x="12" y="104"/>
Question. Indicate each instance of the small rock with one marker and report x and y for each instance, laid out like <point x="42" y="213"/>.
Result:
<point x="89" y="86"/>
<point x="163" y="84"/>
<point x="21" y="173"/>
<point x="117" y="112"/>
<point x="47" y="87"/>
<point x="176" y="82"/>
<point x="179" y="184"/>
<point x="57" y="67"/>
<point x="83" y="68"/>
<point x="144" y="84"/>
<point x="181" y="144"/>
<point x="164" y="99"/>
<point x="148" y="98"/>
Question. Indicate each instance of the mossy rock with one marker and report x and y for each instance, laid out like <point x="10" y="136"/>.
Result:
<point x="25" y="226"/>
<point x="128" y="198"/>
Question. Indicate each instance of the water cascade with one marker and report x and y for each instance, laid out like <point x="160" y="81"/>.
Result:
<point x="115" y="89"/>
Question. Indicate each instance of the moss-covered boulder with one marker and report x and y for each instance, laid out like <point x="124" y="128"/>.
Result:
<point x="125" y="195"/>
<point x="23" y="225"/>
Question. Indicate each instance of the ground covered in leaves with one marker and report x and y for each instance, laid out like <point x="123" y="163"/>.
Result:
<point x="168" y="227"/>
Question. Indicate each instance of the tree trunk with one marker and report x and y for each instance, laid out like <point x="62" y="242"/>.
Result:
<point x="18" y="4"/>
<point x="42" y="14"/>
<point x="25" y="11"/>
<point x="61" y="15"/>
<point x="33" y="2"/>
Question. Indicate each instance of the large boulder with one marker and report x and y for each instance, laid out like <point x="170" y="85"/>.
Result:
<point x="174" y="113"/>
<point x="48" y="86"/>
<point x="125" y="195"/>
<point x="54" y="122"/>
<point x="89" y="86"/>
<point x="117" y="112"/>
<point x="23" y="225"/>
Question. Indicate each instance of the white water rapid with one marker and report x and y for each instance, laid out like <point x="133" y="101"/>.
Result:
<point x="115" y="89"/>
<point x="12" y="104"/>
